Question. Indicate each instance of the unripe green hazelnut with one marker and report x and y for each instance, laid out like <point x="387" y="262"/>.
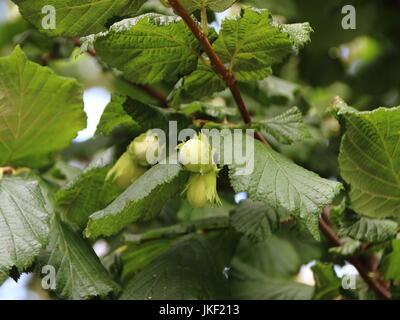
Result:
<point x="145" y="145"/>
<point x="125" y="171"/>
<point x="196" y="155"/>
<point x="202" y="189"/>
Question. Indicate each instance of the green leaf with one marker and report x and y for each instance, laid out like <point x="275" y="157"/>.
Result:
<point x="391" y="262"/>
<point x="254" y="285"/>
<point x="187" y="213"/>
<point x="256" y="220"/>
<point x="114" y="116"/>
<point x="60" y="174"/>
<point x="201" y="83"/>
<point x="271" y="90"/>
<point x="348" y="248"/>
<point x="35" y="106"/>
<point x="285" y="128"/>
<point x="79" y="273"/>
<point x="150" y="48"/>
<point x="370" y="230"/>
<point x="25" y="212"/>
<point x="136" y="258"/>
<point x="214" y="5"/>
<point x="88" y="193"/>
<point x="327" y="283"/>
<point x="369" y="160"/>
<point x="267" y="270"/>
<point x="191" y="269"/>
<point x="151" y="117"/>
<point x="76" y="18"/>
<point x="251" y="45"/>
<point x="141" y="201"/>
<point x="279" y="182"/>
<point x="299" y="33"/>
<point x="151" y="244"/>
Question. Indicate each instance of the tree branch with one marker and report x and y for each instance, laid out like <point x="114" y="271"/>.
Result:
<point x="376" y="284"/>
<point x="216" y="62"/>
<point x="6" y="171"/>
<point x="157" y="95"/>
<point x="77" y="41"/>
<point x="154" y="93"/>
<point x="378" y="287"/>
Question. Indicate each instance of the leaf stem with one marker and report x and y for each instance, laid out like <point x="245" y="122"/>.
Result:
<point x="152" y="92"/>
<point x="204" y="18"/>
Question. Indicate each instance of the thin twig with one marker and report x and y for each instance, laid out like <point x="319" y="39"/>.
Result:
<point x="159" y="96"/>
<point x="77" y="41"/>
<point x="7" y="170"/>
<point x="216" y="62"/>
<point x="152" y="92"/>
<point x="375" y="284"/>
<point x="371" y="263"/>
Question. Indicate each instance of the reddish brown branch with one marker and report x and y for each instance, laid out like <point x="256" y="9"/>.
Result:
<point x="216" y="62"/>
<point x="155" y="94"/>
<point x="377" y="283"/>
<point x="7" y="170"/>
<point x="77" y="41"/>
